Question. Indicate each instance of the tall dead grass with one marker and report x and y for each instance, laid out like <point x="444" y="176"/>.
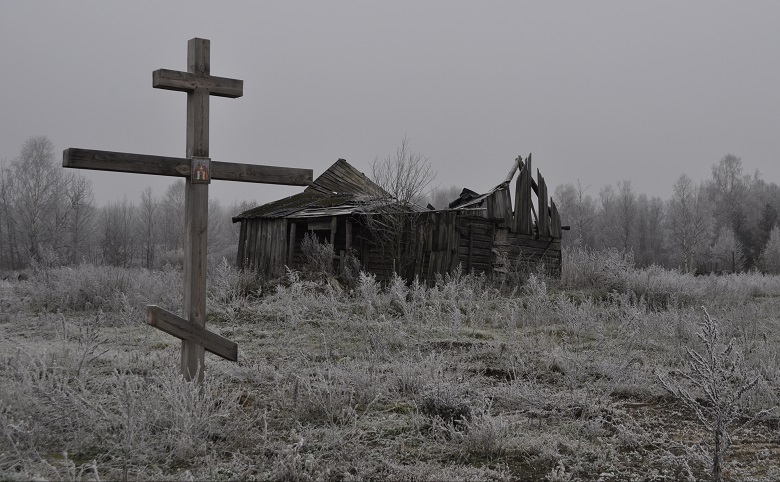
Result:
<point x="462" y="379"/>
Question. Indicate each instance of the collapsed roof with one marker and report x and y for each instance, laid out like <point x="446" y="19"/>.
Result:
<point x="340" y="190"/>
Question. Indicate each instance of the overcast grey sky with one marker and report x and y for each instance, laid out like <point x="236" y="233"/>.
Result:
<point x="598" y="91"/>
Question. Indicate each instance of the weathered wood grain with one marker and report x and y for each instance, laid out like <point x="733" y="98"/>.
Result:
<point x="515" y="167"/>
<point x="288" y="176"/>
<point x="188" y="82"/>
<point x="543" y="223"/>
<point x="184" y="330"/>
<point x="348" y="235"/>
<point x="77" y="158"/>
<point x="125" y="162"/>
<point x="555" y="220"/>
<point x="291" y="244"/>
<point x="241" y="245"/>
<point x="196" y="208"/>
<point x="523" y="200"/>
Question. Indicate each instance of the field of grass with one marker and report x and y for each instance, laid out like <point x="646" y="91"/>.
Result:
<point x="610" y="373"/>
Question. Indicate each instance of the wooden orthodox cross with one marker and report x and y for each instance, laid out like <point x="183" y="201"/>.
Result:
<point x="198" y="170"/>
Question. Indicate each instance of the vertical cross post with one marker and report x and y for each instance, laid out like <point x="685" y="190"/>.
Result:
<point x="196" y="206"/>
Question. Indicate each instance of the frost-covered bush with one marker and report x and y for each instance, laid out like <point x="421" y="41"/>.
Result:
<point x="714" y="385"/>
<point x="318" y="256"/>
<point x="121" y="425"/>
<point x="229" y="290"/>
<point x="588" y="268"/>
<point x="108" y="288"/>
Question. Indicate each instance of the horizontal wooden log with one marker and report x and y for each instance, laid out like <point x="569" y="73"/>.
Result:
<point x="125" y="162"/>
<point x="540" y="243"/>
<point x="187" y="82"/>
<point x="514" y="251"/>
<point x="287" y="176"/>
<point x="477" y="238"/>
<point x="180" y="328"/>
<point x="178" y="166"/>
<point x="476" y="231"/>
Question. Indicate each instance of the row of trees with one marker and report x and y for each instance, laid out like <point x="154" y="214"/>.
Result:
<point x="726" y="223"/>
<point x="729" y="222"/>
<point x="48" y="216"/>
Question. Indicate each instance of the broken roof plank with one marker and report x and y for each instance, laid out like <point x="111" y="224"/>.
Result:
<point x="544" y="212"/>
<point x="523" y="205"/>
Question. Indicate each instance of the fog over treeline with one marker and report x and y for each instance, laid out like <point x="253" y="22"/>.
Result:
<point x="727" y="222"/>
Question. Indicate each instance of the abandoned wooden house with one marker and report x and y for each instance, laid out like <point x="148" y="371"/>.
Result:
<point x="480" y="233"/>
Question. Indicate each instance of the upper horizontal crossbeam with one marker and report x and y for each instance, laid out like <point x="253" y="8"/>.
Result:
<point x="188" y="82"/>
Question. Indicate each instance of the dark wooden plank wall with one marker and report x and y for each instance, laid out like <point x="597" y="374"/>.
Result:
<point x="475" y="246"/>
<point x="263" y="246"/>
<point x="529" y="250"/>
<point x="440" y="245"/>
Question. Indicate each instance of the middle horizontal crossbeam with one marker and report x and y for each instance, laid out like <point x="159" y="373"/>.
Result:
<point x="181" y="167"/>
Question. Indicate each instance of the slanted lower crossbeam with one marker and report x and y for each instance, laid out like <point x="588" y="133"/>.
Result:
<point x="180" y="328"/>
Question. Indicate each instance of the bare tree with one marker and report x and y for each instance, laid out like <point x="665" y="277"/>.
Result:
<point x="689" y="222"/>
<point x="626" y="215"/>
<point x="149" y="213"/>
<point x="173" y="217"/>
<point x="80" y="200"/>
<point x="218" y="233"/>
<point x="119" y="243"/>
<point x="578" y="210"/>
<point x="35" y="183"/>
<point x="727" y="188"/>
<point x="607" y="220"/>
<point x="770" y="256"/>
<point x="405" y="177"/>
<point x="650" y="239"/>
<point x="9" y="252"/>
<point x="727" y="251"/>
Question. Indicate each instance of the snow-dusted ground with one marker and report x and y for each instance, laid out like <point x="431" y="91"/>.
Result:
<point x="548" y="380"/>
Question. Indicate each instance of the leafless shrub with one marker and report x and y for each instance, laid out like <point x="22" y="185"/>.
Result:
<point x="718" y="374"/>
<point x="487" y="436"/>
<point x="230" y="290"/>
<point x="318" y="256"/>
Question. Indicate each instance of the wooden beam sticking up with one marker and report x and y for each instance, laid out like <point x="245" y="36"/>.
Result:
<point x="515" y="167"/>
<point x="544" y="210"/>
<point x="522" y="224"/>
<point x="555" y="219"/>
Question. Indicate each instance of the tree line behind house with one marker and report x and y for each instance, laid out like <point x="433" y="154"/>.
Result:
<point x="49" y="217"/>
<point x="723" y="224"/>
